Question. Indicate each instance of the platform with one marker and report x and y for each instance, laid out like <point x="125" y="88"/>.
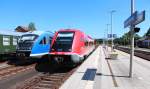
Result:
<point x="100" y="73"/>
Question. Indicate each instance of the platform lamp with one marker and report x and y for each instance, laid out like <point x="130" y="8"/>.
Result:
<point x="111" y="22"/>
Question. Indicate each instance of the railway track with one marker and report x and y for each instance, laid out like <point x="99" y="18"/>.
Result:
<point x="48" y="80"/>
<point x="12" y="70"/>
<point x="3" y="65"/>
<point x="139" y="53"/>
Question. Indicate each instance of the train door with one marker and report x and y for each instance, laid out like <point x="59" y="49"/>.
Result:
<point x="42" y="47"/>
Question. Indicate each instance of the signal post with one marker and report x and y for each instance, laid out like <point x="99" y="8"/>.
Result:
<point x="131" y="22"/>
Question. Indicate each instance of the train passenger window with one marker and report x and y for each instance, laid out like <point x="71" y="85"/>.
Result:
<point x="43" y="41"/>
<point x="86" y="43"/>
<point x="6" y="40"/>
<point x="91" y="43"/>
<point x="14" y="40"/>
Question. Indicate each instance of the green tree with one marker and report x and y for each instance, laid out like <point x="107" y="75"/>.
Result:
<point x="31" y="27"/>
<point x="99" y="41"/>
<point x="147" y="33"/>
<point x="137" y="37"/>
<point x="125" y="39"/>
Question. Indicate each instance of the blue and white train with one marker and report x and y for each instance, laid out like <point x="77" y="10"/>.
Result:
<point x="34" y="44"/>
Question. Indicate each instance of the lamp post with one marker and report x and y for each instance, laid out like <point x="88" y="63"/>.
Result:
<point x="107" y="36"/>
<point x="104" y="39"/>
<point x="111" y="12"/>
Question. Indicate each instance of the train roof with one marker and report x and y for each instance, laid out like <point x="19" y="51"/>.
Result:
<point x="76" y="30"/>
<point x="9" y="32"/>
<point x="72" y="30"/>
<point x="90" y="38"/>
<point x="39" y="32"/>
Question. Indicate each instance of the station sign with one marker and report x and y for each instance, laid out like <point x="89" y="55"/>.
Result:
<point x="130" y="20"/>
<point x="112" y="35"/>
<point x="140" y="18"/>
<point x="135" y="19"/>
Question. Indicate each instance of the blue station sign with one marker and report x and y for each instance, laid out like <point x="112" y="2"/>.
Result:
<point x="135" y="19"/>
<point x="130" y="20"/>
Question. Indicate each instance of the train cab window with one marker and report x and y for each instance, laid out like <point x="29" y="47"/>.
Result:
<point x="63" y="41"/>
<point x="43" y="41"/>
<point x="28" y="37"/>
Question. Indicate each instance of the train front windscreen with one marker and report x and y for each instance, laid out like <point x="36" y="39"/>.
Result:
<point x="31" y="37"/>
<point x="26" y="41"/>
<point x="63" y="42"/>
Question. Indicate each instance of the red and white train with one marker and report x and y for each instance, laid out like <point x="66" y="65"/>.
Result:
<point x="71" y="46"/>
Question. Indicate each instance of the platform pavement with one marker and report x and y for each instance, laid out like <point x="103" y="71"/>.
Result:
<point x="111" y="74"/>
<point x="120" y="73"/>
<point x="76" y="81"/>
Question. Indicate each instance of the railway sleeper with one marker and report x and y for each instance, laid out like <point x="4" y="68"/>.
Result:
<point x="40" y="88"/>
<point x="52" y="79"/>
<point x="44" y="85"/>
<point x="55" y="76"/>
<point x="47" y="82"/>
<point x="59" y="74"/>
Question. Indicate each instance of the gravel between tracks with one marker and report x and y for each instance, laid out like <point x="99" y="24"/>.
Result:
<point x="47" y="80"/>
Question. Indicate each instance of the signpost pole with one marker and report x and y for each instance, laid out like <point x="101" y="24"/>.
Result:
<point x="132" y="21"/>
<point x="132" y="41"/>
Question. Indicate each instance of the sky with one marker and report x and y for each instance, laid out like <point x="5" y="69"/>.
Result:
<point x="89" y="16"/>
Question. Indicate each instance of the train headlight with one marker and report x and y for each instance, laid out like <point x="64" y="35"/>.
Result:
<point x="70" y="50"/>
<point x="30" y="48"/>
<point x="53" y="50"/>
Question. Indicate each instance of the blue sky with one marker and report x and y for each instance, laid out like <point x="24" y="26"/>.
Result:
<point x="90" y="16"/>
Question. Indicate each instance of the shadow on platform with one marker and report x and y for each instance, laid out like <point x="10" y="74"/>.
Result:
<point x="100" y="74"/>
<point x="91" y="73"/>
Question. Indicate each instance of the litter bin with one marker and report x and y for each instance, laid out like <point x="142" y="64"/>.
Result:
<point x="113" y="55"/>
